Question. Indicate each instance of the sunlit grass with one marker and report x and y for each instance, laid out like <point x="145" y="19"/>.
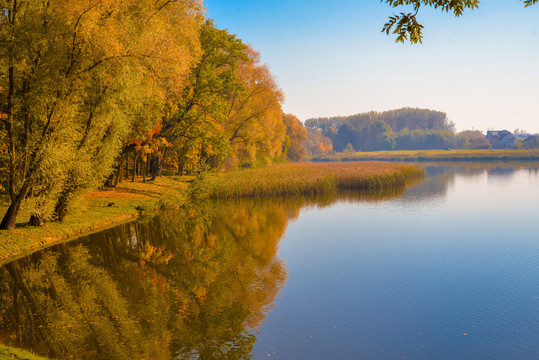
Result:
<point x="435" y="155"/>
<point x="7" y="352"/>
<point x="306" y="178"/>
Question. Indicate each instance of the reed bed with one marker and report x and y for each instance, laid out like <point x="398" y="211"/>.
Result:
<point x="307" y="179"/>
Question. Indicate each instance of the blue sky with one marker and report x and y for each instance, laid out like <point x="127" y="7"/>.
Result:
<point x="330" y="58"/>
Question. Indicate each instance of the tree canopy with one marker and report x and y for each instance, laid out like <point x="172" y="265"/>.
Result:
<point x="89" y="88"/>
<point x="401" y="129"/>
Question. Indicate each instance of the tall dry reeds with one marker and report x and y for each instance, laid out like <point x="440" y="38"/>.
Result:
<point x="307" y="178"/>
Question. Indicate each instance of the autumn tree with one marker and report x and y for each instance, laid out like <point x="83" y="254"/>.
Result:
<point x="317" y="144"/>
<point x="254" y="125"/>
<point x="195" y="129"/>
<point x="71" y="70"/>
<point x="387" y="130"/>
<point x="405" y="25"/>
<point x="230" y="108"/>
<point x="296" y="136"/>
<point x="475" y="139"/>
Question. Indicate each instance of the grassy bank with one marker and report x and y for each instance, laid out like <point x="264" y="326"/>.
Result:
<point x="10" y="353"/>
<point x="434" y="155"/>
<point x="306" y="178"/>
<point x="130" y="200"/>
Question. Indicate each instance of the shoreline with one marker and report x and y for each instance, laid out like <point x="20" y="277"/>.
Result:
<point x="419" y="156"/>
<point x="131" y="200"/>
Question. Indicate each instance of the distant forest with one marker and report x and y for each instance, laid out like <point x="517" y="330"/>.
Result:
<point x="402" y="129"/>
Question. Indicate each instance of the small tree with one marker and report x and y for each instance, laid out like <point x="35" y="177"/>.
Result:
<point x="349" y="148"/>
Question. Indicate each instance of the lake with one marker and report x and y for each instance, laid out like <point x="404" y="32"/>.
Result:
<point x="444" y="269"/>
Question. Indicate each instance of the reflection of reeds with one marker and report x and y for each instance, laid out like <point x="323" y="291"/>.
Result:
<point x="308" y="178"/>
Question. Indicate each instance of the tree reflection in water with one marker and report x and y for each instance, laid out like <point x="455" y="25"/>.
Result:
<point x="193" y="283"/>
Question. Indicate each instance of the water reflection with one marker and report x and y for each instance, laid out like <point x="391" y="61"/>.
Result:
<point x="441" y="177"/>
<point x="193" y="283"/>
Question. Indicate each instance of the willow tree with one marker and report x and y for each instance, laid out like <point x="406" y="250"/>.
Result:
<point x="254" y="122"/>
<point x="163" y="42"/>
<point x="230" y="109"/>
<point x="71" y="70"/>
<point x="196" y="130"/>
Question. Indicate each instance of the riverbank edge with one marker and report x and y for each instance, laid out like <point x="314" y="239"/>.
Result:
<point x="109" y="207"/>
<point x="485" y="155"/>
<point x="99" y="210"/>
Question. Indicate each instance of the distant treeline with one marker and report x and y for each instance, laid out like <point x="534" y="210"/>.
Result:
<point x="402" y="129"/>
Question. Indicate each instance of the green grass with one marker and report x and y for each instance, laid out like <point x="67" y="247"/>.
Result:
<point x="10" y="353"/>
<point x="92" y="214"/>
<point x="434" y="155"/>
<point x="306" y="179"/>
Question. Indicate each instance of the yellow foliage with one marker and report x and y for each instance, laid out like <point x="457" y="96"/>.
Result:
<point x="310" y="178"/>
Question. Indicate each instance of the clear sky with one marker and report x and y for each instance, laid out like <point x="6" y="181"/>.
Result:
<point x="330" y="58"/>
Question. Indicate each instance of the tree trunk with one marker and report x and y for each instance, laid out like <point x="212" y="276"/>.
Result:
<point x="60" y="210"/>
<point x="120" y="169"/>
<point x="134" y="166"/>
<point x="127" y="166"/>
<point x="118" y="172"/>
<point x="108" y="182"/>
<point x="158" y="165"/>
<point x="143" y="171"/>
<point x="145" y="168"/>
<point x="154" y="167"/>
<point x="180" y="168"/>
<point x="10" y="218"/>
<point x="36" y="220"/>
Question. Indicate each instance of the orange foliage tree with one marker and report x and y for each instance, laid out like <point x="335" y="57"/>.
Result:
<point x="317" y="143"/>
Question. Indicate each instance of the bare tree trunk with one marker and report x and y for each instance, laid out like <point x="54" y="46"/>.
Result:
<point x="36" y="220"/>
<point x="9" y="219"/>
<point x="144" y="171"/>
<point x="154" y="167"/>
<point x="120" y="169"/>
<point x="127" y="166"/>
<point x="135" y="166"/>
<point x="180" y="167"/>
<point x="60" y="210"/>
<point x="118" y="172"/>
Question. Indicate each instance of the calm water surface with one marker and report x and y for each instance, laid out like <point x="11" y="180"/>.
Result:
<point x="446" y="269"/>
